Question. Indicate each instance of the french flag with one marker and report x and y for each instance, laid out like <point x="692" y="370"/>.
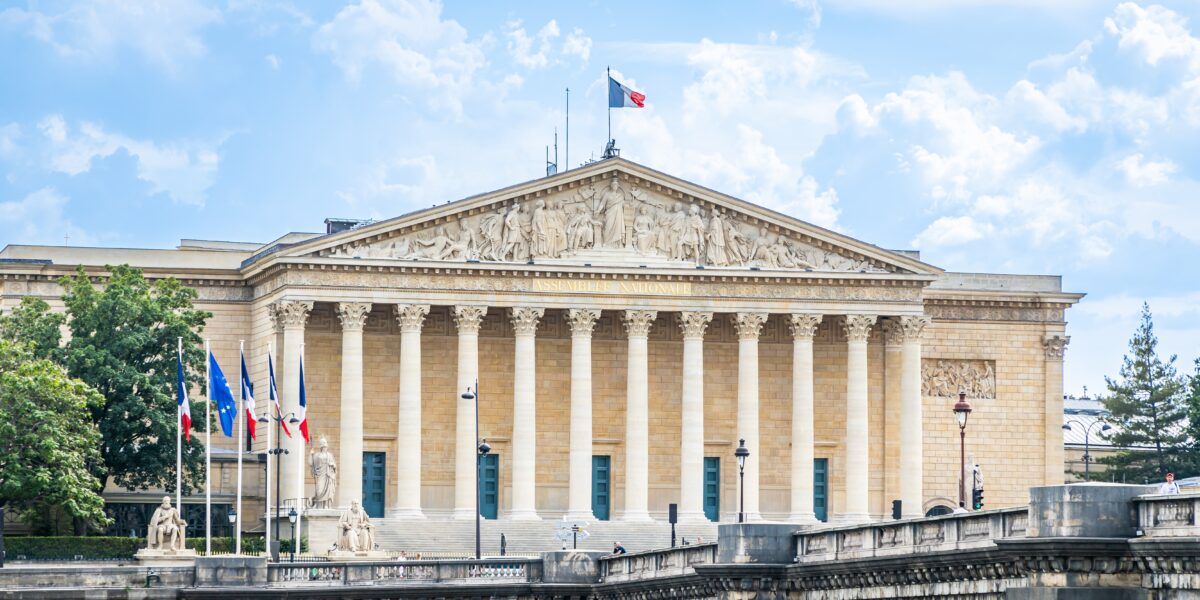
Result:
<point x="620" y="96"/>
<point x="303" y="417"/>
<point x="273" y="394"/>
<point x="248" y="400"/>
<point x="185" y="407"/>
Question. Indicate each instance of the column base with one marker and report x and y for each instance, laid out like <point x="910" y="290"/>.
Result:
<point x="411" y="514"/>
<point x="692" y="517"/>
<point x="636" y="517"/>
<point x="523" y="515"/>
<point x="852" y="518"/>
<point x="463" y="514"/>
<point x="580" y="515"/>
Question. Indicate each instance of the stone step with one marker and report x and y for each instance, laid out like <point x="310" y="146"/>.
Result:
<point x="450" y="536"/>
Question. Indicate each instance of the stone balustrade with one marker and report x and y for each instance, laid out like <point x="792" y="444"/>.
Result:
<point x="417" y="572"/>
<point x="656" y="563"/>
<point x="1172" y="515"/>
<point x="911" y="536"/>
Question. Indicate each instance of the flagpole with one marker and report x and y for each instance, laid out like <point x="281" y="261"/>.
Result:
<point x="300" y="472"/>
<point x="608" y="103"/>
<point x="179" y="442"/>
<point x="207" y="450"/>
<point x="270" y="448"/>
<point x="237" y="543"/>
<point x="567" y="148"/>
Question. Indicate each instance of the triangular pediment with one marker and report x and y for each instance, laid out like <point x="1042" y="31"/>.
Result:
<point x="611" y="213"/>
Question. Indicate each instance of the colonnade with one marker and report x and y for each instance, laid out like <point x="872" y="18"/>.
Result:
<point x="291" y="315"/>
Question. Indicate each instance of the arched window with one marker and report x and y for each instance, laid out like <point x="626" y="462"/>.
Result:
<point x="938" y="511"/>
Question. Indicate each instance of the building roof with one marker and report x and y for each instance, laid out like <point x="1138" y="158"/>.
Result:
<point x="1085" y="413"/>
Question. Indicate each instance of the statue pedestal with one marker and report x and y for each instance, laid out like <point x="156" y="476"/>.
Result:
<point x="154" y="557"/>
<point x="320" y="526"/>
<point x="345" y="555"/>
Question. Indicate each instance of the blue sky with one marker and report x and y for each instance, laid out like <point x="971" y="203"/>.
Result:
<point x="993" y="135"/>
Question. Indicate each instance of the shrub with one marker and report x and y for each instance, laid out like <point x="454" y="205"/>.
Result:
<point x="70" y="547"/>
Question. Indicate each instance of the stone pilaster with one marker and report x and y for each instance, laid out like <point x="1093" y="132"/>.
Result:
<point x="637" y="416"/>
<point x="353" y="316"/>
<point x="468" y="320"/>
<point x="579" y="485"/>
<point x="408" y="431"/>
<point x="524" y="432"/>
<point x="691" y="457"/>
<point x="1055" y="346"/>
<point x="804" y="327"/>
<point x="912" y="436"/>
<point x="749" y="326"/>
<point x="855" y="506"/>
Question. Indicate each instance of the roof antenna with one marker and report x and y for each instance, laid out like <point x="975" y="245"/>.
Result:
<point x="567" y="143"/>
<point x="552" y="167"/>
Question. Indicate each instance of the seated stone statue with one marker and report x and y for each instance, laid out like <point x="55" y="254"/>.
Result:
<point x="355" y="531"/>
<point x="167" y="529"/>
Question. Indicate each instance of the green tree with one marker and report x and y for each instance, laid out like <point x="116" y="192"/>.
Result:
<point x="123" y="343"/>
<point x="1192" y="459"/>
<point x="1148" y="410"/>
<point x="32" y="324"/>
<point x="48" y="443"/>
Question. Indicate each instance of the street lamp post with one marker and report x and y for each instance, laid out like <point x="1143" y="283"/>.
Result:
<point x="233" y="521"/>
<point x="277" y="451"/>
<point x="1087" y="432"/>
<point x="483" y="449"/>
<point x="742" y="453"/>
<point x="962" y="410"/>
<point x="292" y="518"/>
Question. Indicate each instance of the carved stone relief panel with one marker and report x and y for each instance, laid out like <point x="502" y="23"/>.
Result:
<point x="944" y="378"/>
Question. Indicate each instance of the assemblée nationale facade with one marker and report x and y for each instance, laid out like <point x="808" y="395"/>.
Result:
<point x="626" y="329"/>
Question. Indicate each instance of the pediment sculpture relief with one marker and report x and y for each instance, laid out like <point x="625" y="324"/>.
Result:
<point x="609" y="220"/>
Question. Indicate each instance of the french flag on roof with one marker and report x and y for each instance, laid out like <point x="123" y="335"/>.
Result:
<point x="620" y="96"/>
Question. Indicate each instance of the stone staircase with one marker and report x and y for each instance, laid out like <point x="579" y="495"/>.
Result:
<point x="446" y="537"/>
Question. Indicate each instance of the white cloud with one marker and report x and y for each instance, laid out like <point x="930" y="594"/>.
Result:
<point x="577" y="43"/>
<point x="273" y="61"/>
<point x="165" y="33"/>
<point x="951" y="231"/>
<point x="1125" y="306"/>
<point x="38" y="219"/>
<point x="405" y="181"/>
<point x="532" y="52"/>
<point x="8" y="140"/>
<point x="1143" y="173"/>
<point x="408" y="40"/>
<point x="183" y="171"/>
<point x="1154" y="33"/>
<point x="734" y="76"/>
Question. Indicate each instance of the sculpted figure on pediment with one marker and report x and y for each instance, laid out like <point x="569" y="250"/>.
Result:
<point x="735" y="243"/>
<point x="717" y="254"/>
<point x="693" y="236"/>
<point x="516" y="240"/>
<point x="611" y="204"/>
<point x="581" y="228"/>
<point x="491" y="236"/>
<point x="643" y="230"/>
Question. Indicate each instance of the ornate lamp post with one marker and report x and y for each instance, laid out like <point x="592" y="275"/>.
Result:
<point x="483" y="448"/>
<point x="742" y="453"/>
<point x="292" y="518"/>
<point x="962" y="410"/>
<point x="233" y="521"/>
<point x="1087" y="432"/>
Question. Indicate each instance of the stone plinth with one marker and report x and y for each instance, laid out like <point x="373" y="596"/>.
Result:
<point x="321" y="527"/>
<point x="366" y="555"/>
<point x="756" y="543"/>
<point x="571" y="566"/>
<point x="148" y="556"/>
<point x="227" y="571"/>
<point x="1095" y="510"/>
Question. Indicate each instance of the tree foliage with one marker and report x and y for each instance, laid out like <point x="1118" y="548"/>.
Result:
<point x="32" y="324"/>
<point x="123" y="343"/>
<point x="48" y="443"/>
<point x="1148" y="409"/>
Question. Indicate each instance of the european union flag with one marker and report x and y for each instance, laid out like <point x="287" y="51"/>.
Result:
<point x="222" y="395"/>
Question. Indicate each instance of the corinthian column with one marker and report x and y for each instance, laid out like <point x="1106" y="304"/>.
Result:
<point x="804" y="327"/>
<point x="1055" y="345"/>
<point x="637" y="416"/>
<point x="293" y="314"/>
<point x="468" y="319"/>
<point x="912" y="436"/>
<point x="748" y="326"/>
<point x="353" y="316"/>
<point x="691" y="451"/>
<point x="858" y="328"/>
<point x="579" y="492"/>
<point x="524" y="432"/>
<point x="408" y="433"/>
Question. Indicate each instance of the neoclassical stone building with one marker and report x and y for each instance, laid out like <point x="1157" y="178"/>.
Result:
<point x="626" y="329"/>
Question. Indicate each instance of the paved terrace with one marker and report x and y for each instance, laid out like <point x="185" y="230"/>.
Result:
<point x="1093" y="541"/>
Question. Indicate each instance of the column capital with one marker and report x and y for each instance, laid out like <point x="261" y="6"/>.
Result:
<point x="469" y="318"/>
<point x="893" y="333"/>
<point x="748" y="324"/>
<point x="804" y="325"/>
<point x="582" y="321"/>
<point x="353" y="315"/>
<point x="693" y="324"/>
<point x="858" y="327"/>
<point x="290" y="314"/>
<point x="411" y="316"/>
<point x="913" y="327"/>
<point x="1055" y="345"/>
<point x="638" y="322"/>
<point x="525" y="319"/>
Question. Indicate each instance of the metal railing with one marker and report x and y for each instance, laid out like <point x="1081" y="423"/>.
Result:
<point x="1170" y="515"/>
<point x="913" y="536"/>
<point x="656" y="563"/>
<point x="405" y="572"/>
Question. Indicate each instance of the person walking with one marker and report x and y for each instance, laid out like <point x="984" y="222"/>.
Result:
<point x="1169" y="486"/>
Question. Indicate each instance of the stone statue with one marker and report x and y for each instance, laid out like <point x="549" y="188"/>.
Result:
<point x="716" y="240"/>
<point x="516" y="241"/>
<point x="580" y="228"/>
<point x="166" y="531"/>
<point x="735" y="243"/>
<point x="693" y="235"/>
<point x="324" y="472"/>
<point x="612" y="205"/>
<point x="670" y="241"/>
<point x="355" y="531"/>
<point x="492" y="233"/>
<point x="540" y="241"/>
<point x="643" y="231"/>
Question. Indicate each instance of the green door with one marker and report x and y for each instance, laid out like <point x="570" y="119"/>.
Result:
<point x="821" y="488"/>
<point x="712" y="488"/>
<point x="489" y="485"/>
<point x="374" y="476"/>
<point x="601" y="484"/>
